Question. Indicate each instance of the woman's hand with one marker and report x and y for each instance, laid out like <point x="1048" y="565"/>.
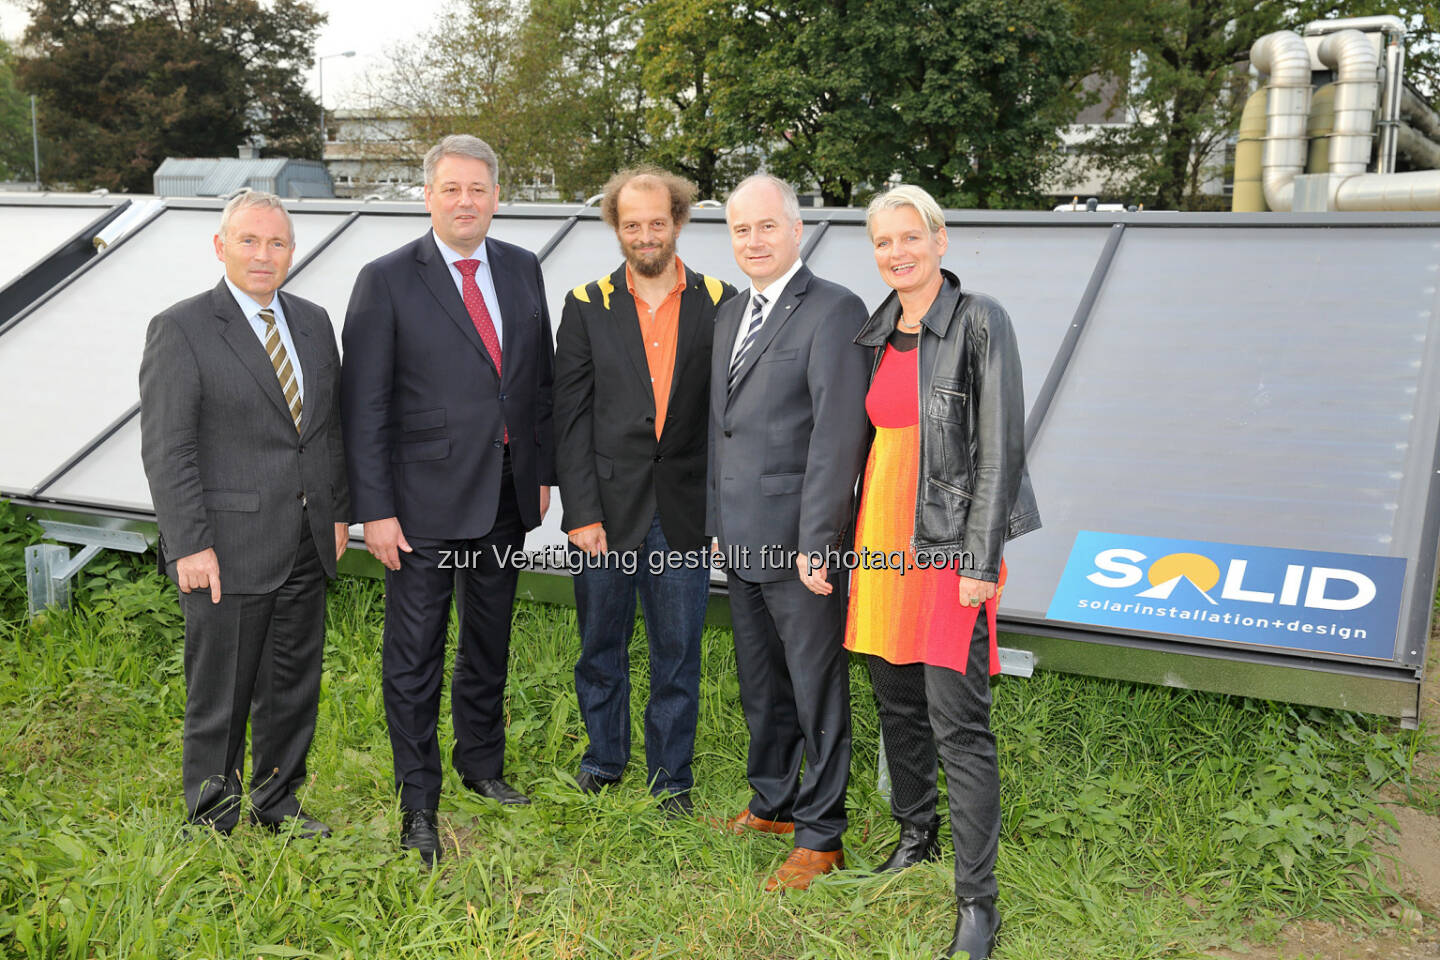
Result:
<point x="975" y="592"/>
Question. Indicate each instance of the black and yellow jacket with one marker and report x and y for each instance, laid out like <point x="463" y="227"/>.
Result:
<point x="611" y="467"/>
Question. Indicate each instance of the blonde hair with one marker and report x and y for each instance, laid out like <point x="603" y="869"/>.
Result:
<point x="907" y="195"/>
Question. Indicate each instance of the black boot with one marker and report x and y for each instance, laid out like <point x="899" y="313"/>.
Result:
<point x="917" y="845"/>
<point x="976" y="923"/>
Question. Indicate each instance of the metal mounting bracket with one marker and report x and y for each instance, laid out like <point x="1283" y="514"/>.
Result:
<point x="49" y="568"/>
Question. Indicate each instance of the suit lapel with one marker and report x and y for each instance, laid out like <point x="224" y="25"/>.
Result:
<point x="435" y="272"/>
<point x="237" y="332"/>
<point x="308" y="356"/>
<point x="515" y="307"/>
<point x="727" y="327"/>
<point x="688" y="332"/>
<point x="789" y="300"/>
<point x="625" y="317"/>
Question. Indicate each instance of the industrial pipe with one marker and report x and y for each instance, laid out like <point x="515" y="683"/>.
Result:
<point x="1283" y="57"/>
<point x="1418" y="148"/>
<point x="1351" y="56"/>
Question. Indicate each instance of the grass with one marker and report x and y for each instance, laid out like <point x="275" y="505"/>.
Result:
<point x="1139" y="821"/>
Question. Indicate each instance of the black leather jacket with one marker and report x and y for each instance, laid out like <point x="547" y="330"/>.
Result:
<point x="974" y="492"/>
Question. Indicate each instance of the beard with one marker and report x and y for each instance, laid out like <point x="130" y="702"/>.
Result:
<point x="651" y="264"/>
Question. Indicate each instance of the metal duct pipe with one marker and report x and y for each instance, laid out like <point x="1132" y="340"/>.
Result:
<point x="1420" y="114"/>
<point x="1390" y="191"/>
<point x="1394" y="30"/>
<point x="1418" y="148"/>
<point x="1390" y="26"/>
<point x="1350" y="55"/>
<point x="1284" y="57"/>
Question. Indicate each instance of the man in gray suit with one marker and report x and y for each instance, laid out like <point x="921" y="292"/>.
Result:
<point x="240" y="435"/>
<point x="787" y="440"/>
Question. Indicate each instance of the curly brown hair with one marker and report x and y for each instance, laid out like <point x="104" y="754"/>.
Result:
<point x="682" y="192"/>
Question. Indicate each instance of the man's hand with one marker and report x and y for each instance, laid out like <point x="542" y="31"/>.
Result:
<point x="342" y="539"/>
<point x="590" y="539"/>
<point x="384" y="540"/>
<point x="544" y="500"/>
<point x="975" y="592"/>
<point x="815" y="579"/>
<point x="198" y="571"/>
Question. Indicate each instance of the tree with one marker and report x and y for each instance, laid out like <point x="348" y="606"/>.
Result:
<point x="552" y="85"/>
<point x="961" y="96"/>
<point x="1184" y="91"/>
<point x="681" y="49"/>
<point x="125" y="84"/>
<point x="17" y="159"/>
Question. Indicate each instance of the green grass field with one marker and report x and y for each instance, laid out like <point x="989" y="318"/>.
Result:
<point x="1139" y="821"/>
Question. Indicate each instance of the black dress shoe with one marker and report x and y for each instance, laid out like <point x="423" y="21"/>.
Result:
<point x="418" y="831"/>
<point x="917" y="845"/>
<point x="498" y="790"/>
<point x="976" y="923"/>
<point x="301" y="826"/>
<point x="676" y="806"/>
<point x="592" y="782"/>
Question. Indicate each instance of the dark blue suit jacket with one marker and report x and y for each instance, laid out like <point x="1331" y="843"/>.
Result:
<point x="423" y="410"/>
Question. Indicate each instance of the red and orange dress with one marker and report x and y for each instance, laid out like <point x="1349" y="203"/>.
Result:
<point x="911" y="614"/>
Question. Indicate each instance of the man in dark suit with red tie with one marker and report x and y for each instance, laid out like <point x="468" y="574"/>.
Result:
<point x="446" y="407"/>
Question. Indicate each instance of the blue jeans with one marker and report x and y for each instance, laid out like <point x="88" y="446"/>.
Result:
<point x="673" y="601"/>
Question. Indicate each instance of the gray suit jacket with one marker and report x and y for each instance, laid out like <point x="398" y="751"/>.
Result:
<point x="225" y="465"/>
<point x="786" y="446"/>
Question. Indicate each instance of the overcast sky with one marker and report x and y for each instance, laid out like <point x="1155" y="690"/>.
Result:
<point x="368" y="27"/>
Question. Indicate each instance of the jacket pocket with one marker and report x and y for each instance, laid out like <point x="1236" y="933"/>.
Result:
<point x="240" y="501"/>
<point x="779" y="484"/>
<point x="423" y="420"/>
<point x="422" y="450"/>
<point x="778" y="356"/>
<point x="943" y="513"/>
<point x="948" y="400"/>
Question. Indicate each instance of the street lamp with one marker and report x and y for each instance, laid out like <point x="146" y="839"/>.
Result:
<point x="320" y="66"/>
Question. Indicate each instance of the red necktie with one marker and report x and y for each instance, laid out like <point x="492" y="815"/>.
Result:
<point x="479" y="314"/>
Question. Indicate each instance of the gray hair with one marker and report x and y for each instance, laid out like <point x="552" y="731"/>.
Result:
<point x="788" y="199"/>
<point x="461" y="145"/>
<point x="254" y="199"/>
<point x="907" y="195"/>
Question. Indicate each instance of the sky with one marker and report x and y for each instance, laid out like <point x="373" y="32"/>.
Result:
<point x="368" y="27"/>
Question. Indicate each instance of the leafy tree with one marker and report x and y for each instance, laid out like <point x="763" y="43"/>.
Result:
<point x="961" y="96"/>
<point x="681" y="50"/>
<point x="125" y="84"/>
<point x="17" y="159"/>
<point x="551" y="85"/>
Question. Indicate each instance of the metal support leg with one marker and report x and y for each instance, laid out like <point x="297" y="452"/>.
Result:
<point x="49" y="568"/>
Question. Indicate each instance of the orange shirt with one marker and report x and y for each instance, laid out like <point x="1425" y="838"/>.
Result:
<point x="660" y="326"/>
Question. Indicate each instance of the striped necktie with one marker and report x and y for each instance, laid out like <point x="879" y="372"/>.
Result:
<point x="757" y="319"/>
<point x="280" y="360"/>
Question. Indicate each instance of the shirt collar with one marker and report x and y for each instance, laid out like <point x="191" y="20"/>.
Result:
<point x="248" y="304"/>
<point x="451" y="256"/>
<point x="679" y="280"/>
<point x="773" y="291"/>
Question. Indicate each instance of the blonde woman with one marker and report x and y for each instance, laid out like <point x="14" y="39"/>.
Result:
<point x="944" y="487"/>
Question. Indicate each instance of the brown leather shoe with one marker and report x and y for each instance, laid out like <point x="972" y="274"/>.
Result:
<point x="748" y="821"/>
<point x="803" y="866"/>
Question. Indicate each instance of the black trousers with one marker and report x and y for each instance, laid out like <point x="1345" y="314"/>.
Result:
<point x="255" y="657"/>
<point x="417" y="613"/>
<point x="795" y="690"/>
<point x="925" y="711"/>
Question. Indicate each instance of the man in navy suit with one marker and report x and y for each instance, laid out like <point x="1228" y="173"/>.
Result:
<point x="446" y="405"/>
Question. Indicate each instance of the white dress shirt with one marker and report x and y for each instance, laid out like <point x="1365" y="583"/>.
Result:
<point x="251" y="309"/>
<point x="483" y="280"/>
<point x="771" y="293"/>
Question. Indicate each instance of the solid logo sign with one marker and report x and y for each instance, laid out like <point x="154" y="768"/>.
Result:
<point x="1301" y="599"/>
